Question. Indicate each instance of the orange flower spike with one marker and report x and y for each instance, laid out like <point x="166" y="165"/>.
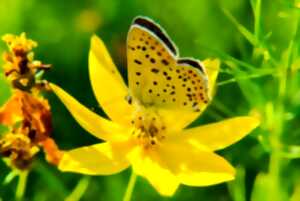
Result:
<point x="20" y="43"/>
<point x="19" y="64"/>
<point x="33" y="112"/>
<point x="26" y="113"/>
<point x="53" y="153"/>
<point x="19" y="149"/>
<point x="19" y="53"/>
<point x="35" y="126"/>
<point x="10" y="112"/>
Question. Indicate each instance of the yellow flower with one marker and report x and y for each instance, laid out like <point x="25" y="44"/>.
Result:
<point x="158" y="148"/>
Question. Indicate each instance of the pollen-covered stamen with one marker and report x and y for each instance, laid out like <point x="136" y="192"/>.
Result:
<point x="150" y="129"/>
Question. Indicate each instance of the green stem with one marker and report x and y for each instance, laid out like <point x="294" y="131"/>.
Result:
<point x="130" y="187"/>
<point x="275" y="139"/>
<point x="21" y="188"/>
<point x="251" y="76"/>
<point x="79" y="190"/>
<point x="275" y="165"/>
<point x="257" y="14"/>
<point x="274" y="171"/>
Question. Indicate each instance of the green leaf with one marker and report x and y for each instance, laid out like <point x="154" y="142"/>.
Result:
<point x="237" y="187"/>
<point x="10" y="176"/>
<point x="291" y="151"/>
<point x="296" y="193"/>
<point x="5" y="90"/>
<point x="51" y="180"/>
<point x="256" y="6"/>
<point x="250" y="89"/>
<point x="243" y="30"/>
<point x="260" y="190"/>
<point x="3" y="129"/>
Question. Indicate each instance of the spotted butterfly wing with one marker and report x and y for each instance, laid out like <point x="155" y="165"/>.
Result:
<point x="158" y="79"/>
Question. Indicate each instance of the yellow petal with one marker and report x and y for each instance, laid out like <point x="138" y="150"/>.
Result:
<point x="99" y="159"/>
<point x="149" y="165"/>
<point x="195" y="167"/>
<point x="108" y="85"/>
<point x="91" y="122"/>
<point x="221" y="134"/>
<point x="212" y="67"/>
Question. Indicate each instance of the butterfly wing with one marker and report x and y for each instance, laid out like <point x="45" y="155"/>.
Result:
<point x="174" y="87"/>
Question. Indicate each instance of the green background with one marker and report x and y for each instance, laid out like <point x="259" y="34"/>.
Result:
<point x="258" y="46"/>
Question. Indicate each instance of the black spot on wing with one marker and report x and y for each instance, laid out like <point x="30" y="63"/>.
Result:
<point x="157" y="31"/>
<point x="191" y="62"/>
<point x="137" y="62"/>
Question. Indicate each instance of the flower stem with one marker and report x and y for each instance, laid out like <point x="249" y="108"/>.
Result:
<point x="130" y="187"/>
<point x="274" y="171"/>
<point x="21" y="185"/>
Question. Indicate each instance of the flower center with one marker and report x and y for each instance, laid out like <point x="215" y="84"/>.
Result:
<point x="149" y="128"/>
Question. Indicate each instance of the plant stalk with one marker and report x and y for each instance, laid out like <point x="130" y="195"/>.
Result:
<point x="130" y="187"/>
<point x="21" y="187"/>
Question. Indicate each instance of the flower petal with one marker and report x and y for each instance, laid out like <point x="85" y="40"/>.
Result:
<point x="91" y="122"/>
<point x="108" y="85"/>
<point x="99" y="159"/>
<point x="195" y="167"/>
<point x="221" y="134"/>
<point x="212" y="67"/>
<point x="147" y="164"/>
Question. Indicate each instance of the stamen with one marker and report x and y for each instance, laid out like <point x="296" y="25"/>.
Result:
<point x="149" y="129"/>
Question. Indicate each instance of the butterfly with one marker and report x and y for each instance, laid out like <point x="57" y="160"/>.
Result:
<point x="159" y="78"/>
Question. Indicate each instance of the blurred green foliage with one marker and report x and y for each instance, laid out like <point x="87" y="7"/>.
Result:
<point x="257" y="41"/>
